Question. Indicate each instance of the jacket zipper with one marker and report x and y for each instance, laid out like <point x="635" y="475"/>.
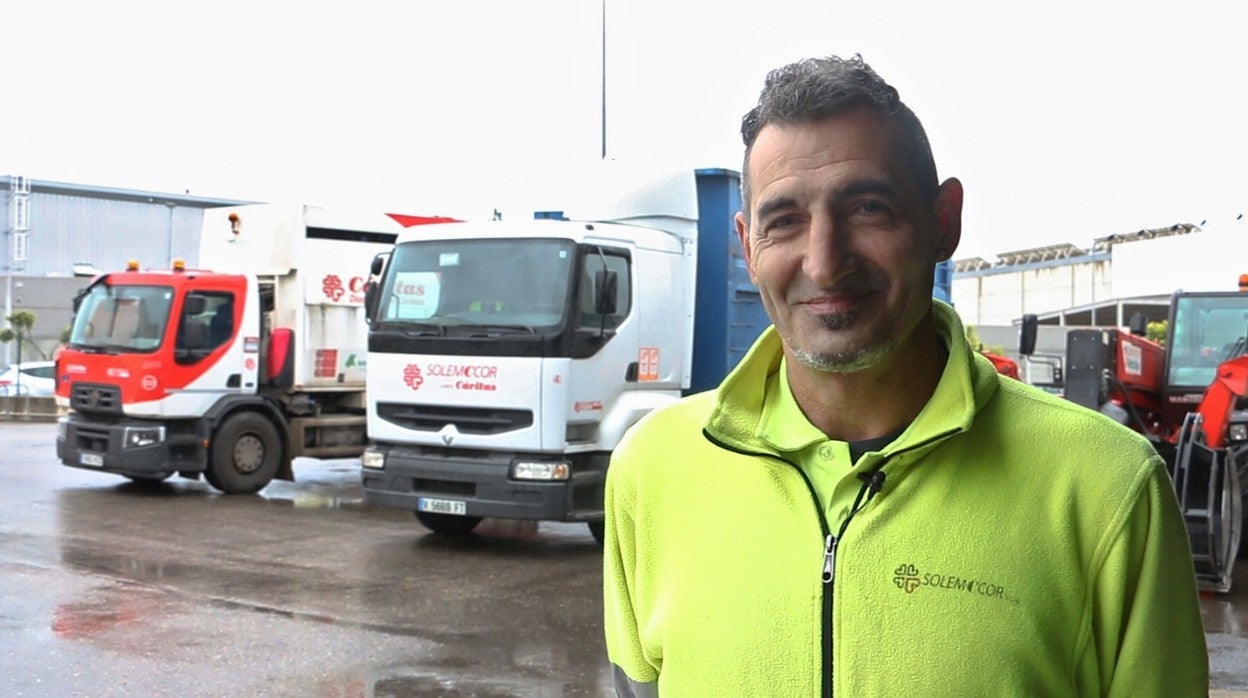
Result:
<point x="872" y="482"/>
<point x="829" y="557"/>
<point x="870" y="485"/>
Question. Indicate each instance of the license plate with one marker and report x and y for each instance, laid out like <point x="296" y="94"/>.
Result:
<point x="92" y="459"/>
<point x="442" y="506"/>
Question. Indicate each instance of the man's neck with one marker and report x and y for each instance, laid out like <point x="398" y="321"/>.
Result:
<point x="876" y="401"/>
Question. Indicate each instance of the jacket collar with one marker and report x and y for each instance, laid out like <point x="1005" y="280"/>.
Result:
<point x="967" y="383"/>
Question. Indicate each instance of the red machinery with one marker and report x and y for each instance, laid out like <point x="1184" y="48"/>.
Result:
<point x="1188" y="396"/>
<point x="1004" y="364"/>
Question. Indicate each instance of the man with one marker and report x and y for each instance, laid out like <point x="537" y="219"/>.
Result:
<point x="864" y="506"/>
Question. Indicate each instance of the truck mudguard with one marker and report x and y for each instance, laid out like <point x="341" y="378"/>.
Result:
<point x="281" y="363"/>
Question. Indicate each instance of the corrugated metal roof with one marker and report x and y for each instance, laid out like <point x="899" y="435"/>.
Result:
<point x="116" y="194"/>
<point x="70" y="224"/>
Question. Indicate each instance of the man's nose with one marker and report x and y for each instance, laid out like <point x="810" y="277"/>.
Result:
<point x="829" y="252"/>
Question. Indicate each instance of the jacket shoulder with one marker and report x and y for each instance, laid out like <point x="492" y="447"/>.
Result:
<point x="662" y="434"/>
<point x="1043" y="418"/>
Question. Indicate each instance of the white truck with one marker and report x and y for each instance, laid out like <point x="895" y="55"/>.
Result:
<point x="229" y="371"/>
<point x="506" y="359"/>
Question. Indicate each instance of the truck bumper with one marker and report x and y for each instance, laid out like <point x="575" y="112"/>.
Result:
<point x="483" y="483"/>
<point x="110" y="446"/>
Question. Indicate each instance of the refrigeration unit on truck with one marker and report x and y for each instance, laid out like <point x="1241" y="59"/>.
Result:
<point x="506" y="359"/>
<point x="229" y="371"/>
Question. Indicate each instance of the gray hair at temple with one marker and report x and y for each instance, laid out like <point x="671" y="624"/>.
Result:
<point x="817" y="88"/>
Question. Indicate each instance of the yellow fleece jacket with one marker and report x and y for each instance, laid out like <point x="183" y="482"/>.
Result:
<point x="1020" y="545"/>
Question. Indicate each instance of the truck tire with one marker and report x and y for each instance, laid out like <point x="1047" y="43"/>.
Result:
<point x="448" y="524"/>
<point x="597" y="529"/>
<point x="246" y="452"/>
<point x="211" y="479"/>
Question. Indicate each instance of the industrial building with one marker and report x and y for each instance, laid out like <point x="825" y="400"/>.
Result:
<point x="58" y="235"/>
<point x="1102" y="285"/>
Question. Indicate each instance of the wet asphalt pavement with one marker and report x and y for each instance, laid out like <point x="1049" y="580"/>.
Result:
<point x="109" y="588"/>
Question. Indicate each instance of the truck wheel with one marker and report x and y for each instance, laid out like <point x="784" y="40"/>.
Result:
<point x="245" y="454"/>
<point x="448" y="524"/>
<point x="597" y="529"/>
<point x="211" y="479"/>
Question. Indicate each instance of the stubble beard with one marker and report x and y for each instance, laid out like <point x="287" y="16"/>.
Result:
<point x="843" y="361"/>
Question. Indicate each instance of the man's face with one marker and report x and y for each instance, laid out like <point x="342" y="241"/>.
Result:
<point x="839" y="241"/>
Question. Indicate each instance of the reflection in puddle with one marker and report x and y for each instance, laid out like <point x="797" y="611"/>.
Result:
<point x="319" y="485"/>
<point x="423" y="683"/>
<point x="79" y="620"/>
<point x="1223" y="617"/>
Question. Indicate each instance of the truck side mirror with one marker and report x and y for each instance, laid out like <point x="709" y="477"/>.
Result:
<point x="375" y="269"/>
<point x="606" y="292"/>
<point x="1138" y="324"/>
<point x="1027" y="334"/>
<point x="370" y="301"/>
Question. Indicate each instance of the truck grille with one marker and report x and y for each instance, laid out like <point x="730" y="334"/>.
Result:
<point x="468" y="420"/>
<point x="94" y="397"/>
<point x="90" y="437"/>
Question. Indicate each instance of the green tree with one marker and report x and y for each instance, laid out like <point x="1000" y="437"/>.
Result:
<point x="977" y="344"/>
<point x="972" y="338"/>
<point x="20" y="323"/>
<point x="1156" y="331"/>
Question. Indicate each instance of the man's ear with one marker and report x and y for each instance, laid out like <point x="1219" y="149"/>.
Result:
<point x="743" y="235"/>
<point x="948" y="212"/>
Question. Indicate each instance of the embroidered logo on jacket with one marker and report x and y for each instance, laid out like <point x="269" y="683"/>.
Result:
<point x="909" y="579"/>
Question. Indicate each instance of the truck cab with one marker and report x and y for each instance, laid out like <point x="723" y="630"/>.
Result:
<point x="230" y="371"/>
<point x="506" y="360"/>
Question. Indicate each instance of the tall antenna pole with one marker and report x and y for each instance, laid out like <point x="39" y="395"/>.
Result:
<point x="604" y="79"/>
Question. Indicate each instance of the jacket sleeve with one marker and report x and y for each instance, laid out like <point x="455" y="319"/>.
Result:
<point x="1147" y="636"/>
<point x="634" y="675"/>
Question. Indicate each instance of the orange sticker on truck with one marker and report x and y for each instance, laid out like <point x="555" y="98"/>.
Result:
<point x="648" y="364"/>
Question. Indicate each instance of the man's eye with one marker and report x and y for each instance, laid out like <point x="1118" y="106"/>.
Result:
<point x="781" y="222"/>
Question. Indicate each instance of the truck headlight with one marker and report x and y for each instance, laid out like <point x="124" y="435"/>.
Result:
<point x="1238" y="432"/>
<point x="373" y="459"/>
<point x="62" y="428"/>
<point x="137" y="437"/>
<point x="540" y="470"/>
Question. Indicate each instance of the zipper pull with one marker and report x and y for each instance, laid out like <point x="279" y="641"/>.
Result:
<point x="829" y="559"/>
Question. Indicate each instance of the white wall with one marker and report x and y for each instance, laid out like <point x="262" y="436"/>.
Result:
<point x="999" y="299"/>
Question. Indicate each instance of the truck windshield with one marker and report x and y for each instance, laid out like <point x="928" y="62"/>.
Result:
<point x="494" y="286"/>
<point x="1207" y="331"/>
<point x="122" y="318"/>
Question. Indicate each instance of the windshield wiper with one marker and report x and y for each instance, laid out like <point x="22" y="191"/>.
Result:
<point x="419" y="329"/>
<point x="106" y="348"/>
<point x="496" y="330"/>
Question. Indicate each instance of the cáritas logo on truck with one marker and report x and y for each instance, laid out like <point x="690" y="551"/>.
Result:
<point x="412" y="377"/>
<point x="336" y="290"/>
<point x="470" y="377"/>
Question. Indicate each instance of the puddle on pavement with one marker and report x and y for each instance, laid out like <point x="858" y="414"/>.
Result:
<point x="316" y="500"/>
<point x="331" y="484"/>
<point x="404" y="686"/>
<point x="82" y="619"/>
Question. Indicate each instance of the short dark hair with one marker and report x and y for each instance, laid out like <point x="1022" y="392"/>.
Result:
<point x="817" y="88"/>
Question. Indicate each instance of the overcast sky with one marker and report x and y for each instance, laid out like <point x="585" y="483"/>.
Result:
<point x="1066" y="121"/>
